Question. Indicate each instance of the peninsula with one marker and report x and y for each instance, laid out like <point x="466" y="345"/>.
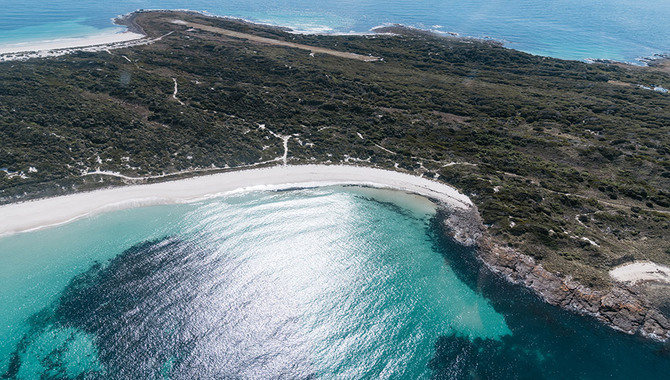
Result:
<point x="567" y="163"/>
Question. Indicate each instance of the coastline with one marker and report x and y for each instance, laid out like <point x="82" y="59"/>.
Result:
<point x="132" y="36"/>
<point x="135" y="35"/>
<point x="45" y="212"/>
<point x="624" y="307"/>
<point x="619" y="307"/>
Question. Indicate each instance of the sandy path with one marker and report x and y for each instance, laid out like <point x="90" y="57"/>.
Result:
<point x="270" y="41"/>
<point x="176" y="91"/>
<point x="70" y="43"/>
<point x="40" y="213"/>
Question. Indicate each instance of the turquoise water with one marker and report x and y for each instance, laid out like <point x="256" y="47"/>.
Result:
<point x="622" y="30"/>
<point x="316" y="283"/>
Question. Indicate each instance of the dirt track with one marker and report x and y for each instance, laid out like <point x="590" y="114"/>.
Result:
<point x="270" y="41"/>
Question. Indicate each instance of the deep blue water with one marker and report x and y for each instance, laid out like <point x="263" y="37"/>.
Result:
<point x="622" y="30"/>
<point x="317" y="283"/>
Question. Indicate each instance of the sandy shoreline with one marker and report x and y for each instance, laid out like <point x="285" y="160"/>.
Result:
<point x="43" y="49"/>
<point x="32" y="215"/>
<point x="133" y="35"/>
<point x="70" y="43"/>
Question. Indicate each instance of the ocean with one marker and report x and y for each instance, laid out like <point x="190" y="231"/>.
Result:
<point x="621" y="30"/>
<point x="318" y="283"/>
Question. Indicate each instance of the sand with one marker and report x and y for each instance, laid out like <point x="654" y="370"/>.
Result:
<point x="641" y="271"/>
<point x="67" y="45"/>
<point x="27" y="216"/>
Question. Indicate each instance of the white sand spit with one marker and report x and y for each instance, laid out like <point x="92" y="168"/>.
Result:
<point x="26" y="216"/>
<point x="641" y="271"/>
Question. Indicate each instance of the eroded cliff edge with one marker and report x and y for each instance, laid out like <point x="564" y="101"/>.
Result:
<point x="627" y="308"/>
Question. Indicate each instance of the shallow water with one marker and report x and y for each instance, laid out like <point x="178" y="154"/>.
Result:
<point x="300" y="283"/>
<point x="313" y="283"/>
<point x="621" y="30"/>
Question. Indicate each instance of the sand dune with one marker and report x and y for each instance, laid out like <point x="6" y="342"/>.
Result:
<point x="641" y="271"/>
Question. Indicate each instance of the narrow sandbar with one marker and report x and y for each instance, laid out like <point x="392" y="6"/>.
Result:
<point x="26" y="216"/>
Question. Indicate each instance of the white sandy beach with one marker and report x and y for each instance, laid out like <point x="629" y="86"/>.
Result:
<point x="641" y="271"/>
<point x="26" y="216"/>
<point x="70" y="43"/>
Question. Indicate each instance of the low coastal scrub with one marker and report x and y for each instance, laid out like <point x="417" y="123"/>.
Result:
<point x="566" y="161"/>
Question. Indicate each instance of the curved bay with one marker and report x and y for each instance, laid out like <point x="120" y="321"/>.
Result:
<point x="324" y="282"/>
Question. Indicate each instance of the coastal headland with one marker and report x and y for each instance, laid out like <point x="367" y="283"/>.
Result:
<point x="565" y="163"/>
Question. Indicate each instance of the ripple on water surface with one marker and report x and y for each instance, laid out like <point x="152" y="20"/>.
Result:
<point x="303" y="283"/>
<point x="315" y="283"/>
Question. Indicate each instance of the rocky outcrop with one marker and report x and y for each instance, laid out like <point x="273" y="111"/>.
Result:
<point x="622" y="307"/>
<point x="465" y="225"/>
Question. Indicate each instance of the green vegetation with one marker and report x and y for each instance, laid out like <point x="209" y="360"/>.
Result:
<point x="568" y="162"/>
